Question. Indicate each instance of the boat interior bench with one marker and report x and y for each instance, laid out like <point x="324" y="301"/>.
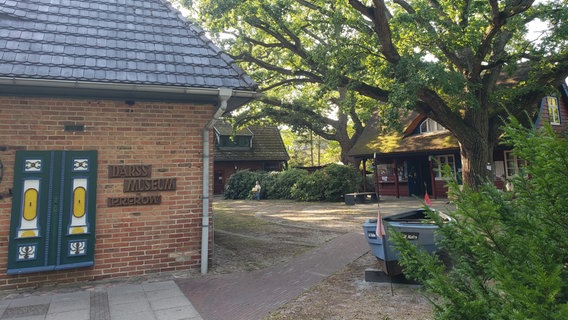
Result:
<point x="360" y="197"/>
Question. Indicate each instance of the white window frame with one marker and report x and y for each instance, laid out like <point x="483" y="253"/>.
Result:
<point x="439" y="161"/>
<point x="553" y="110"/>
<point x="513" y="164"/>
<point x="429" y="125"/>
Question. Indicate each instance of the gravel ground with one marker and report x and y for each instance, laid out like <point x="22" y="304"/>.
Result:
<point x="251" y="235"/>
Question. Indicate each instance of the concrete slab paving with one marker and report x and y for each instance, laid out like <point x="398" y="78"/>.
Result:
<point x="149" y="301"/>
<point x="74" y="315"/>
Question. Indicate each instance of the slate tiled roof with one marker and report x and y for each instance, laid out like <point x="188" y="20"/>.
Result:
<point x="111" y="41"/>
<point x="267" y="145"/>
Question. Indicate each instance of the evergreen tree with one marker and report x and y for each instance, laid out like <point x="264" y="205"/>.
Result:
<point x="507" y="250"/>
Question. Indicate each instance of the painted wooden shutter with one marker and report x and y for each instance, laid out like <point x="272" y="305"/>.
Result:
<point x="53" y="211"/>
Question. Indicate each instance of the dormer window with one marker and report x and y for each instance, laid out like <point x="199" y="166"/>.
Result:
<point x="235" y="142"/>
<point x="227" y="139"/>
<point x="553" y="110"/>
<point x="429" y="125"/>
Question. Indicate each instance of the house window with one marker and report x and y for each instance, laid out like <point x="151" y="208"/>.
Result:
<point x="235" y="142"/>
<point x="439" y="162"/>
<point x="553" y="110"/>
<point x="430" y="125"/>
<point x="53" y="211"/>
<point x="513" y="164"/>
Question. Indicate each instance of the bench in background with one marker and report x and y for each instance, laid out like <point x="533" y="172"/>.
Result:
<point x="360" y="197"/>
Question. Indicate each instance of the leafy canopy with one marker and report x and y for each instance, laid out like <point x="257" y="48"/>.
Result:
<point x="326" y="65"/>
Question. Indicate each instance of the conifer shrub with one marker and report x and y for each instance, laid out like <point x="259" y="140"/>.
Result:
<point x="508" y="250"/>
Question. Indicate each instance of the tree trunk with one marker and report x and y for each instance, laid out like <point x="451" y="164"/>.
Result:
<point x="345" y="158"/>
<point x="476" y="144"/>
<point x="477" y="163"/>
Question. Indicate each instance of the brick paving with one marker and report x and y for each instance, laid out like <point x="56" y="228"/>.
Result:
<point x="252" y="295"/>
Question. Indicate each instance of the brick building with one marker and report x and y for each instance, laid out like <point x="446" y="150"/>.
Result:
<point x="256" y="148"/>
<point x="106" y="111"/>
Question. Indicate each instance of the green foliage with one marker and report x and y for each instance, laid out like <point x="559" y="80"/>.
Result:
<point x="307" y="149"/>
<point x="240" y="184"/>
<point x="340" y="180"/>
<point x="311" y="188"/>
<point x="326" y="65"/>
<point x="508" y="249"/>
<point x="284" y="182"/>
<point x="328" y="184"/>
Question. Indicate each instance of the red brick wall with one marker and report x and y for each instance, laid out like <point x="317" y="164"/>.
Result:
<point x="130" y="241"/>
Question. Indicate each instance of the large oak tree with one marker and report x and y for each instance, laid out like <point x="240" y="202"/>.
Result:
<point x="465" y="64"/>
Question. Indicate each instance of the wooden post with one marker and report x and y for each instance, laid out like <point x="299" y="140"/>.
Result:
<point x="396" y="178"/>
<point x="364" y="174"/>
<point x="432" y="179"/>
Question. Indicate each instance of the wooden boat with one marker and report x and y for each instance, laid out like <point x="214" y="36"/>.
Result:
<point x="416" y="227"/>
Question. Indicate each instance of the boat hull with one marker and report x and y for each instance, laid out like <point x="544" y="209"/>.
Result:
<point x="416" y="228"/>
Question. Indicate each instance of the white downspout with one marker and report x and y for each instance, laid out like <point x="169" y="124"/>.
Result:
<point x="224" y="95"/>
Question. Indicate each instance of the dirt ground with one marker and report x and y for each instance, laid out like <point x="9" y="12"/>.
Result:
<point x="250" y="235"/>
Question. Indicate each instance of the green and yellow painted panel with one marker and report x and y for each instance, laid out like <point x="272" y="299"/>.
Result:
<point x="53" y="211"/>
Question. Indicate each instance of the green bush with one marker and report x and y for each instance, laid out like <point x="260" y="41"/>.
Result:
<point x="340" y="180"/>
<point x="240" y="184"/>
<point x="310" y="188"/>
<point x="328" y="184"/>
<point x="508" y="249"/>
<point x="283" y="182"/>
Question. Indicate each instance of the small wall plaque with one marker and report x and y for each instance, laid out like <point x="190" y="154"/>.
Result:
<point x="74" y="127"/>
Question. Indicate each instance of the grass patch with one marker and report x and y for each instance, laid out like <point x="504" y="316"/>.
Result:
<point x="225" y="219"/>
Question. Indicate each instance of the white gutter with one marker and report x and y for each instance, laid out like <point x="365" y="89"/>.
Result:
<point x="121" y="87"/>
<point x="224" y="95"/>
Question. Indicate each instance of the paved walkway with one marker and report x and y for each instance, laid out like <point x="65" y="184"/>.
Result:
<point x="148" y="301"/>
<point x="252" y="295"/>
<point x="246" y="296"/>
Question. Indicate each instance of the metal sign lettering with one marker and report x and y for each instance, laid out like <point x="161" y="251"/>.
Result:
<point x="141" y="185"/>
<point x="130" y="171"/>
<point x="134" y="201"/>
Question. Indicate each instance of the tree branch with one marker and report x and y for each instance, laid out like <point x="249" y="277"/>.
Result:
<point x="379" y="15"/>
<point x="284" y="83"/>
<point x="311" y="120"/>
<point x="247" y="57"/>
<point x="458" y="61"/>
